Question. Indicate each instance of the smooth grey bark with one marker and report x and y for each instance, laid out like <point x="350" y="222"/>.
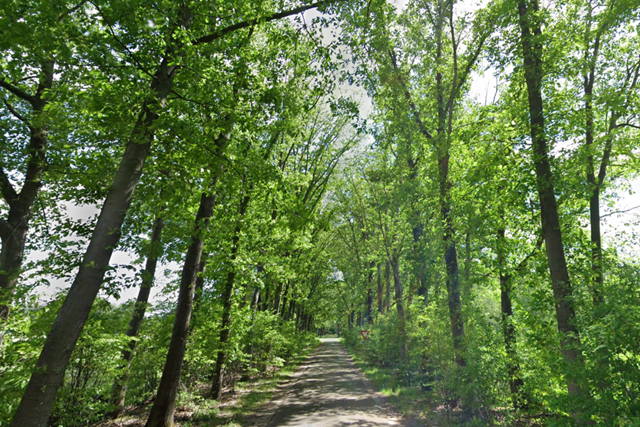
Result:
<point x="119" y="391"/>
<point x="14" y="230"/>
<point x="531" y="42"/>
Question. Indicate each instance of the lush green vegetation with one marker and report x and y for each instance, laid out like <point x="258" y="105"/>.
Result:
<point x="471" y="235"/>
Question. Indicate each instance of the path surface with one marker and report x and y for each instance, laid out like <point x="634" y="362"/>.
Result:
<point x="328" y="390"/>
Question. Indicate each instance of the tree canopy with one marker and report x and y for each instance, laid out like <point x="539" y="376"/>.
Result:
<point x="461" y="205"/>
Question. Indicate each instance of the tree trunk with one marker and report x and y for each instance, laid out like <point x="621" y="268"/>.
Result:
<point x="594" y="186"/>
<point x="387" y="292"/>
<point x="37" y="402"/>
<point x="197" y="296"/>
<point x="119" y="391"/>
<point x="254" y="312"/>
<point x="285" y="298"/>
<point x="227" y="300"/>
<point x="277" y="300"/>
<point x="451" y="265"/>
<point x="292" y="309"/>
<point x="13" y="230"/>
<point x="163" y="408"/>
<point x="395" y="264"/>
<point x="369" y="314"/>
<point x="562" y="290"/>
<point x="442" y="144"/>
<point x="453" y="290"/>
<point x="508" y="326"/>
<point x="380" y="290"/>
<point x="397" y="287"/>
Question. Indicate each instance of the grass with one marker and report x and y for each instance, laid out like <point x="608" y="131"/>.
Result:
<point x="245" y="398"/>
<point x="410" y="401"/>
<point x="194" y="409"/>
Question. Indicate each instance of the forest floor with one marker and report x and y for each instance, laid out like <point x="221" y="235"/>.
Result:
<point x="327" y="389"/>
<point x="197" y="410"/>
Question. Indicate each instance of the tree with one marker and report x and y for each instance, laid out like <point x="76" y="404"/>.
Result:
<point x="531" y="41"/>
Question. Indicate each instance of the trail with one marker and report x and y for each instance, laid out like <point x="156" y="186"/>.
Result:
<point x="328" y="390"/>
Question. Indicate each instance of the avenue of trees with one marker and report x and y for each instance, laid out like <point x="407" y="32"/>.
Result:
<point x="467" y="234"/>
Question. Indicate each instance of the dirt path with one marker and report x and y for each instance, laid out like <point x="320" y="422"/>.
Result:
<point x="327" y="390"/>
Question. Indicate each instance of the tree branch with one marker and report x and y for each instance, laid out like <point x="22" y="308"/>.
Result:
<point x="245" y="24"/>
<point x="619" y="212"/>
<point x="15" y="113"/>
<point x="608" y="148"/>
<point x="524" y="261"/>
<point x="7" y="190"/>
<point x="407" y="94"/>
<point x="18" y="92"/>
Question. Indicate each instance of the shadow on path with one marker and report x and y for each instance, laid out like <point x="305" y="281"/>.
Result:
<point x="327" y="390"/>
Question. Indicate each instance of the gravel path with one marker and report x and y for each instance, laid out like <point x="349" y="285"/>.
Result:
<point x="328" y="390"/>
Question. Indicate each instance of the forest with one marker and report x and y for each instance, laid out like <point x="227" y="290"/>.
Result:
<point x="193" y="190"/>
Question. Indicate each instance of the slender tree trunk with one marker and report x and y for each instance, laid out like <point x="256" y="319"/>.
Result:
<point x="265" y="301"/>
<point x="453" y="290"/>
<point x="309" y="323"/>
<point x="163" y="408"/>
<point x="37" y="402"/>
<point x="448" y="235"/>
<point x="197" y="296"/>
<point x="380" y="289"/>
<point x="397" y="286"/>
<point x="451" y="265"/>
<point x="13" y="230"/>
<point x="254" y="312"/>
<point x="292" y="309"/>
<point x="562" y="290"/>
<point x="285" y="297"/>
<point x="466" y="290"/>
<point x="277" y="300"/>
<point x="508" y="326"/>
<point x="395" y="264"/>
<point x="119" y="391"/>
<point x="227" y="300"/>
<point x="369" y="314"/>
<point x="387" y="292"/>
<point x="595" y="186"/>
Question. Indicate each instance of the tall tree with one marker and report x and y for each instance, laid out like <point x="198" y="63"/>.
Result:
<point x="531" y="40"/>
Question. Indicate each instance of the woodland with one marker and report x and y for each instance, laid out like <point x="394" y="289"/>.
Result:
<point x="275" y="170"/>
